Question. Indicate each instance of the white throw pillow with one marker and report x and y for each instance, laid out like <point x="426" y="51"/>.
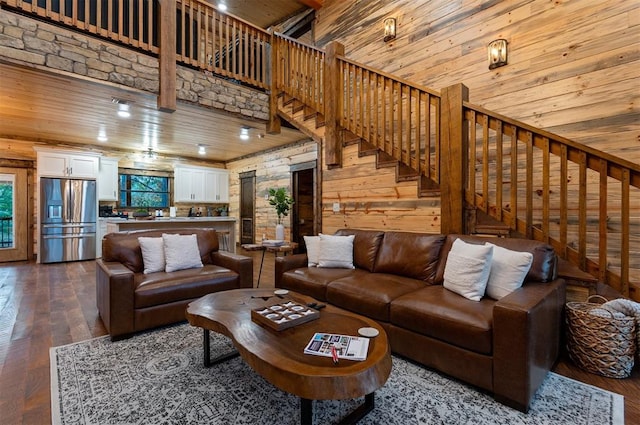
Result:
<point x="336" y="251"/>
<point x="152" y="254"/>
<point x="467" y="269"/>
<point x="508" y="270"/>
<point x="181" y="252"/>
<point x="313" y="249"/>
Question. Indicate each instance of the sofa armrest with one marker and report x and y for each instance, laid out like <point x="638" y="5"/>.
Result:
<point x="286" y="263"/>
<point x="240" y="264"/>
<point x="115" y="297"/>
<point x="527" y="327"/>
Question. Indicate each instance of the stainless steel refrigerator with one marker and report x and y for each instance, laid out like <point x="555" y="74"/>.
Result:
<point x="67" y="220"/>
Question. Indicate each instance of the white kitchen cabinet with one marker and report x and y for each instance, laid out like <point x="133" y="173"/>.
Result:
<point x="108" y="180"/>
<point x="54" y="163"/>
<point x="201" y="184"/>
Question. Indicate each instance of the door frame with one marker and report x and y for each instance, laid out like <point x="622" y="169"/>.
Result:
<point x="247" y="175"/>
<point x="317" y="207"/>
<point x="24" y="198"/>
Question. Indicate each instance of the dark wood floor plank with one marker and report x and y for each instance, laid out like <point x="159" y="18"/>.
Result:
<point x="55" y="304"/>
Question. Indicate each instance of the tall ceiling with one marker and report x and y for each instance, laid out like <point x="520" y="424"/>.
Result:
<point x="40" y="106"/>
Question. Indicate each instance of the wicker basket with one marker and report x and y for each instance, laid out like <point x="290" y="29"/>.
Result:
<point x="602" y="345"/>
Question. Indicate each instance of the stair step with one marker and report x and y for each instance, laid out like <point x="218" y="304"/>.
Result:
<point x="309" y="113"/>
<point x="348" y="138"/>
<point x="320" y="121"/>
<point x="365" y="148"/>
<point x="297" y="106"/>
<point x="384" y="160"/>
<point x="427" y="187"/>
<point x="404" y="173"/>
<point x="287" y="100"/>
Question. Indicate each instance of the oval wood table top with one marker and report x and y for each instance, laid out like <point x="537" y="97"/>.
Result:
<point x="279" y="357"/>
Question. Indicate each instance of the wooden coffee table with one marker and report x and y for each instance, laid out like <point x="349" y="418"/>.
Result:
<point x="278" y="355"/>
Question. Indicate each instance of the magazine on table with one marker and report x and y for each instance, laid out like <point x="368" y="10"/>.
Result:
<point x="346" y="347"/>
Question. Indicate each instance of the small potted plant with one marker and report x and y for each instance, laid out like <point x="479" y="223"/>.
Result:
<point x="281" y="201"/>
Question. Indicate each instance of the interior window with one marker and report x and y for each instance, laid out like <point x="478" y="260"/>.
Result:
<point x="138" y="191"/>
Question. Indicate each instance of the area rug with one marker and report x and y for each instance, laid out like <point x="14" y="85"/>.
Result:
<point x="158" y="378"/>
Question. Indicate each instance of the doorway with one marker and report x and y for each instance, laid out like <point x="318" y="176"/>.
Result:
<point x="247" y="207"/>
<point x="304" y="211"/>
<point x="14" y="214"/>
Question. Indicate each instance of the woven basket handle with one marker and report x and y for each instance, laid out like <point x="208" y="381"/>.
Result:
<point x="597" y="297"/>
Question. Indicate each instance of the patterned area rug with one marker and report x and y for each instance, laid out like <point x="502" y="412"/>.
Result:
<point x="157" y="378"/>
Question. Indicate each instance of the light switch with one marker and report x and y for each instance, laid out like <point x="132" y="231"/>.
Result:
<point x="336" y="207"/>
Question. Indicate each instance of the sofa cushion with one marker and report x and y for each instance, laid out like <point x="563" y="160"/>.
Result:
<point x="163" y="288"/>
<point x="312" y="243"/>
<point x="313" y="281"/>
<point x="181" y="252"/>
<point x="467" y="270"/>
<point x="369" y="294"/>
<point x="413" y="255"/>
<point x="438" y="313"/>
<point x="508" y="270"/>
<point x="543" y="267"/>
<point x="365" y="246"/>
<point x="336" y="251"/>
<point x="152" y="254"/>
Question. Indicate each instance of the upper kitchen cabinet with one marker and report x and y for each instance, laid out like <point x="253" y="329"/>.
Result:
<point x="108" y="179"/>
<point x="201" y="184"/>
<point x="71" y="164"/>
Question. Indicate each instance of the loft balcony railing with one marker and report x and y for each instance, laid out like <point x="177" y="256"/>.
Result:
<point x="583" y="202"/>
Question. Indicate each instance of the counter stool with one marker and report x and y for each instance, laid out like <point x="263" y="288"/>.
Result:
<point x="223" y="238"/>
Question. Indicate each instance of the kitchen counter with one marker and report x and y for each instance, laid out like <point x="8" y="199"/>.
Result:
<point x="227" y="224"/>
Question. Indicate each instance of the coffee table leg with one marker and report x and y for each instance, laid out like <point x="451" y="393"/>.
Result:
<point x="208" y="361"/>
<point x="306" y="411"/>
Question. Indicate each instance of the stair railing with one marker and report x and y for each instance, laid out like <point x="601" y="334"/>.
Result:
<point x="582" y="201"/>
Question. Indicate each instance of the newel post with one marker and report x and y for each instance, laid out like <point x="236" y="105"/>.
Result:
<point x="273" y="125"/>
<point x="167" y="56"/>
<point x="454" y="146"/>
<point x="332" y="81"/>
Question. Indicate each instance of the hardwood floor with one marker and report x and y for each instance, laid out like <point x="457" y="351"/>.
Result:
<point x="43" y="306"/>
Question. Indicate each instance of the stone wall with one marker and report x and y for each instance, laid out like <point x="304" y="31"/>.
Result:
<point x="41" y="45"/>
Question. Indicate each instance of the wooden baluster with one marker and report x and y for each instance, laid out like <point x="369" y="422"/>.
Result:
<point x="499" y="174"/>
<point x="472" y="158"/>
<point x="529" y="190"/>
<point x="603" y="220"/>
<point x="485" y="163"/>
<point x="564" y="200"/>
<point x="513" y="201"/>
<point x="546" y="163"/>
<point x="625" y="225"/>
<point x="582" y="210"/>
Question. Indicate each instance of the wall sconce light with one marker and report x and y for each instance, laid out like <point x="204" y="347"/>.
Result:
<point x="389" y="29"/>
<point x="497" y="53"/>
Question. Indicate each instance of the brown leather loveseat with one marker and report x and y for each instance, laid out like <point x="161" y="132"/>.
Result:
<point x="506" y="346"/>
<point x="130" y="301"/>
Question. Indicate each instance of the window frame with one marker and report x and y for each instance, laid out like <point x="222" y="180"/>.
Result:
<point x="126" y="192"/>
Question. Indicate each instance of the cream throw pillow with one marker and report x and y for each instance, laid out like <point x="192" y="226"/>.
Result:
<point x="336" y="251"/>
<point x="313" y="249"/>
<point x="467" y="269"/>
<point x="152" y="254"/>
<point x="181" y="252"/>
<point x="508" y="271"/>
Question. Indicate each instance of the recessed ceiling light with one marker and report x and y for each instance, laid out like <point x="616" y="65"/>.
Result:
<point x="123" y="110"/>
<point x="102" y="138"/>
<point x="222" y="7"/>
<point x="201" y="150"/>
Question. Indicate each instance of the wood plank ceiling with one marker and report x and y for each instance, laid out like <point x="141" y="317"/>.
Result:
<point x="44" y="107"/>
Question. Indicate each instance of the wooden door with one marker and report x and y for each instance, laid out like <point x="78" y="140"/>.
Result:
<point x="303" y="217"/>
<point x="14" y="214"/>
<point x="247" y="207"/>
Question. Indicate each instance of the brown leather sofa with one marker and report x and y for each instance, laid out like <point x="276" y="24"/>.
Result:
<point x="506" y="346"/>
<point x="130" y="301"/>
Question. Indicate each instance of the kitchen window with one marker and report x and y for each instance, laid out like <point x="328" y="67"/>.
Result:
<point x="140" y="191"/>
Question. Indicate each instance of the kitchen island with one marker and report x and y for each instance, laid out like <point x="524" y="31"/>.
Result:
<point x="222" y="224"/>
